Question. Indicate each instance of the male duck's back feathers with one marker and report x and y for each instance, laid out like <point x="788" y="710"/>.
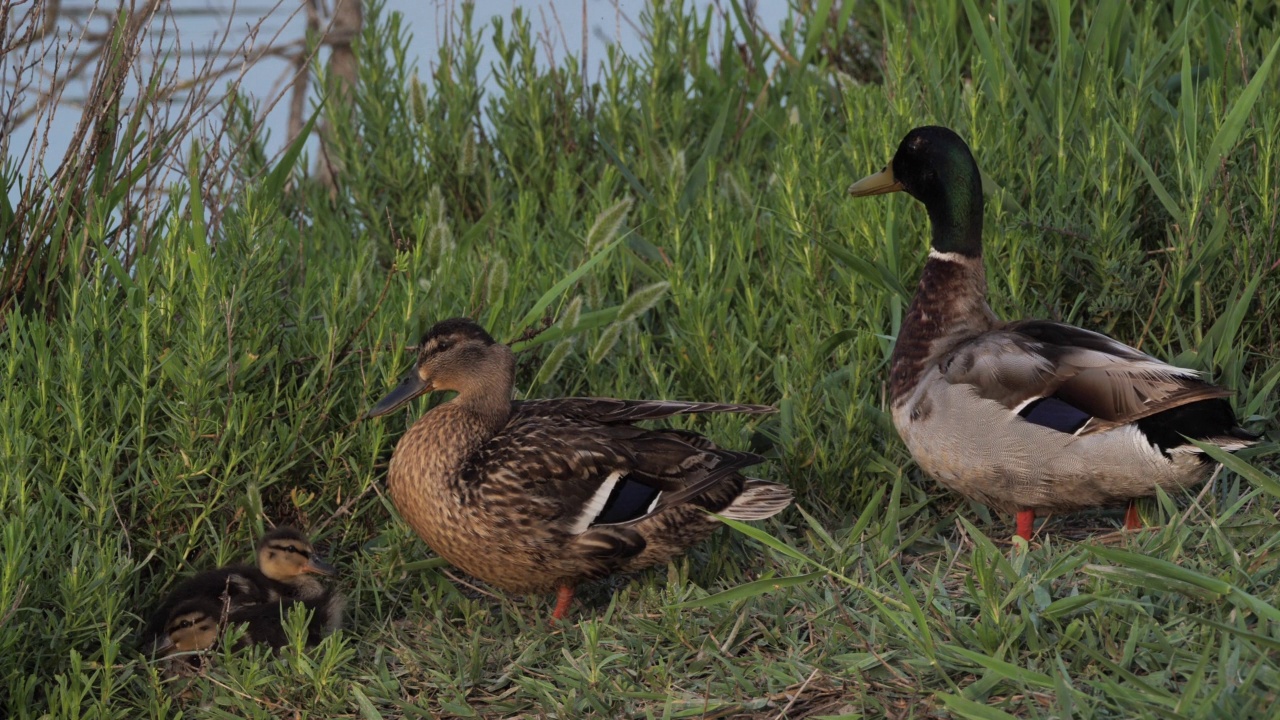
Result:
<point x="1112" y="383"/>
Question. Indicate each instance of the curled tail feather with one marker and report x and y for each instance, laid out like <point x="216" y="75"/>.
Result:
<point x="759" y="500"/>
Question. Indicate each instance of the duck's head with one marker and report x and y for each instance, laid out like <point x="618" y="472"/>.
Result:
<point x="455" y="355"/>
<point x="934" y="166"/>
<point x="285" y="555"/>
<point x="192" y="625"/>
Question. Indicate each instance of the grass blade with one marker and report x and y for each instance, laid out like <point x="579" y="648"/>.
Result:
<point x="967" y="708"/>
<point x="748" y="590"/>
<point x="1000" y="667"/>
<point x="1162" y="193"/>
<point x="1263" y="481"/>
<point x="565" y="283"/>
<point x="1233" y="124"/>
<point x="764" y="538"/>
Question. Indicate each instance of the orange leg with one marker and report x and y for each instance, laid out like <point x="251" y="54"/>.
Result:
<point x="1026" y="518"/>
<point x="1131" y="519"/>
<point x="564" y="597"/>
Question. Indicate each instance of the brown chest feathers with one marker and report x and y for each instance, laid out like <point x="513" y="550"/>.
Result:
<point x="949" y="307"/>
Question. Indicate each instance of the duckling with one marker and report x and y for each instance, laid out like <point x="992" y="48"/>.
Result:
<point x="1032" y="416"/>
<point x="291" y="564"/>
<point x="196" y="623"/>
<point x="544" y="494"/>
<point x="227" y="588"/>
<point x="190" y="625"/>
<point x="287" y="568"/>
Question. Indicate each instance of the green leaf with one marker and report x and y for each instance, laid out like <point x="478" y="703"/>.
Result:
<point x="558" y="289"/>
<point x="1005" y="669"/>
<point x="1154" y="572"/>
<point x="1236" y="116"/>
<point x="586" y="321"/>
<point x="872" y="271"/>
<point x="765" y="538"/>
<point x="826" y="347"/>
<point x="1065" y="606"/>
<point x="627" y="175"/>
<point x="275" y="181"/>
<point x="748" y="590"/>
<point x="1158" y="187"/>
<point x="817" y="19"/>
<point x="423" y="565"/>
<point x="1265" y="482"/>
<point x="477" y="228"/>
<point x="967" y="708"/>
<point x="998" y="57"/>
<point x="1141" y="579"/>
<point x="1241" y="633"/>
<point x="367" y="710"/>
<point x="697" y="178"/>
<point x="1160" y="568"/>
<point x="749" y="33"/>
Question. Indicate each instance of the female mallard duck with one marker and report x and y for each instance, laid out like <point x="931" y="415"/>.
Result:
<point x="1029" y="416"/>
<point x="541" y="494"/>
<point x="287" y="565"/>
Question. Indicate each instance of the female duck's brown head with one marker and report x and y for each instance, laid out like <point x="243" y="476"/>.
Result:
<point x="455" y="355"/>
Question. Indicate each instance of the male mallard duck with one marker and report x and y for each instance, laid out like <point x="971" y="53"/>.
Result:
<point x="542" y="494"/>
<point x="287" y="565"/>
<point x="1034" y="415"/>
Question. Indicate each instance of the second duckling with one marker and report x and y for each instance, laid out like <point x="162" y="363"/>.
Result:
<point x="196" y="623"/>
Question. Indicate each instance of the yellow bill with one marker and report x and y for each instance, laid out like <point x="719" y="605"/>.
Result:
<point x="878" y="184"/>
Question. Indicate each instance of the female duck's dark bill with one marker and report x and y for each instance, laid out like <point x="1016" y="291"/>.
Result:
<point x="410" y="387"/>
<point x="878" y="184"/>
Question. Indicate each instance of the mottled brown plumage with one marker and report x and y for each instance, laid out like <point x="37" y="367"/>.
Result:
<point x="543" y="494"/>
<point x="1030" y="416"/>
